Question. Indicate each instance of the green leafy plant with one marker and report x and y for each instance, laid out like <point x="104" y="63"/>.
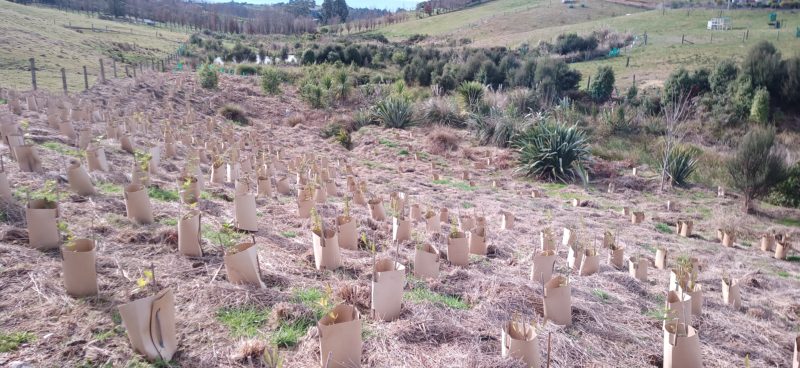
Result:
<point x="471" y="94"/>
<point x="207" y="74"/>
<point x="756" y="167"/>
<point x="12" y="341"/>
<point x="681" y="164"/>
<point x="552" y="151"/>
<point x="313" y="94"/>
<point x="394" y="112"/>
<point x="271" y="81"/>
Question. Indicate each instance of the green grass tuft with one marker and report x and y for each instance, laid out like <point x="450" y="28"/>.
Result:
<point x="163" y="195"/>
<point x="62" y="148"/>
<point x="168" y="221"/>
<point x="467" y="205"/>
<point x="109" y="188"/>
<point x="421" y="294"/>
<point x="310" y="298"/>
<point x="289" y="234"/>
<point x="602" y="295"/>
<point x="12" y="341"/>
<point x="387" y="143"/>
<point x="663" y="228"/>
<point x="243" y="321"/>
<point x="289" y="334"/>
<point x="783" y="273"/>
<point x="789" y="222"/>
<point x="226" y="236"/>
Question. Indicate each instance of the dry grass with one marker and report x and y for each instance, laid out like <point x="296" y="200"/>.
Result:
<point x="442" y="140"/>
<point x="609" y="331"/>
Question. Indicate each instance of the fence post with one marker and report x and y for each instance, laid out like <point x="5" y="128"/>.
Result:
<point x="127" y="73"/>
<point x="162" y="66"/>
<point x="33" y="73"/>
<point x="85" y="79"/>
<point x="114" y="66"/>
<point x="682" y="38"/>
<point x="588" y="82"/>
<point x="102" y="72"/>
<point x="628" y="62"/>
<point x="134" y="71"/>
<point x="64" y="80"/>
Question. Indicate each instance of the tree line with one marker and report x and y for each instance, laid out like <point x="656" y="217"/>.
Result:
<point x="293" y="17"/>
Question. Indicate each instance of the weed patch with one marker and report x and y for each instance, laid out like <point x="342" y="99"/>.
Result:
<point x="12" y="341"/>
<point x="421" y="294"/>
<point x="663" y="228"/>
<point x="163" y="195"/>
<point x="243" y="321"/>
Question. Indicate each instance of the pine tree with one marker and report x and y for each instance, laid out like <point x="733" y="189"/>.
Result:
<point x="342" y="10"/>
<point x="328" y="11"/>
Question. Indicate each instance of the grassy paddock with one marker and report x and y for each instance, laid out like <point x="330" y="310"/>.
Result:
<point x="42" y="33"/>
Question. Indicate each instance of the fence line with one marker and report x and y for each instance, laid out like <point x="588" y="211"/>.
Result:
<point x="158" y="65"/>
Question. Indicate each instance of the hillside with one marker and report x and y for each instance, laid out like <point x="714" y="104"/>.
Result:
<point x="512" y="22"/>
<point x="501" y="22"/>
<point x="452" y="320"/>
<point x="43" y="33"/>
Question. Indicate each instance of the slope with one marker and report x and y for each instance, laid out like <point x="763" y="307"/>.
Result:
<point x="58" y="39"/>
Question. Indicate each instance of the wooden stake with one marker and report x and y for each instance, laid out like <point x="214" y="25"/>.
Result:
<point x="549" y="335"/>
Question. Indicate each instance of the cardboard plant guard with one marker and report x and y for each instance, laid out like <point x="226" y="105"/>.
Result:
<point x="543" y="264"/>
<point x="558" y="301"/>
<point x="637" y="268"/>
<point x="730" y="292"/>
<point x="340" y="338"/>
<point x="96" y="159"/>
<point x="661" y="258"/>
<point x="347" y="236"/>
<point x="575" y="256"/>
<point x="326" y="249"/>
<point x="519" y="341"/>
<point x="681" y="346"/>
<point x="477" y="241"/>
<point x="189" y="234"/>
<point x="685" y="228"/>
<point x="42" y="218"/>
<point x="241" y="265"/>
<point x="796" y="357"/>
<point x="388" y="281"/>
<point x="28" y="158"/>
<point x="507" y="220"/>
<point x="782" y="249"/>
<point x="401" y="229"/>
<point x="547" y="240"/>
<point x="457" y="248"/>
<point x="137" y="204"/>
<point x="150" y="323"/>
<point x="616" y="256"/>
<point x="431" y="222"/>
<point x="244" y="206"/>
<point x="590" y="263"/>
<point x="80" y="275"/>
<point x="376" y="209"/>
<point x="426" y="261"/>
<point x="79" y="180"/>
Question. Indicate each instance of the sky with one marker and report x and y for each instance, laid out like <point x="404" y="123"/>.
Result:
<point x="377" y="4"/>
